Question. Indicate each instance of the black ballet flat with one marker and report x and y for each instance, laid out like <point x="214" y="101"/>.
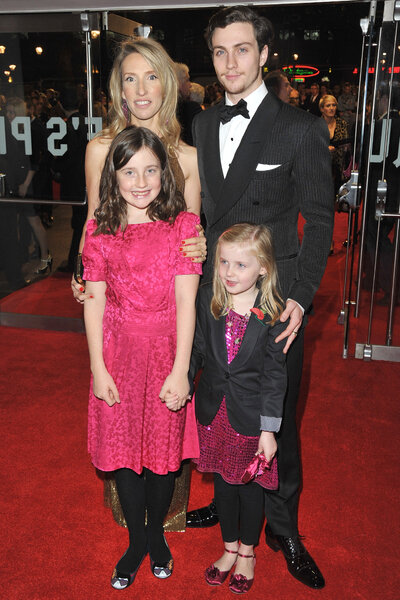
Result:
<point x="162" y="570"/>
<point x="120" y="580"/>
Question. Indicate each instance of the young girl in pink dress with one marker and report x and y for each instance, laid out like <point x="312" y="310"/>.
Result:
<point x="239" y="398"/>
<point x="140" y="323"/>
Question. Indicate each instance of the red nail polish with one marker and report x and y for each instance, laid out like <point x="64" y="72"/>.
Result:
<point x="81" y="289"/>
<point x="91" y="296"/>
<point x="183" y="242"/>
<point x="184" y="253"/>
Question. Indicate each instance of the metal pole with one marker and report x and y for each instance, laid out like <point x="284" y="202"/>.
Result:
<point x="346" y="304"/>
<point x="366" y="183"/>
<point x="393" y="293"/>
<point x="88" y="46"/>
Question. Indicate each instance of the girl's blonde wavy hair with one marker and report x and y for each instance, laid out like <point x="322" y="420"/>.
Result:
<point x="163" y="66"/>
<point x="257" y="239"/>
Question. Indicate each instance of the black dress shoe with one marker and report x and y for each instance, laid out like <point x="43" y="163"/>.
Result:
<point x="299" y="562"/>
<point x="206" y="516"/>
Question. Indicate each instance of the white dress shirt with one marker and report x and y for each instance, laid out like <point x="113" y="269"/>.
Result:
<point x="231" y="133"/>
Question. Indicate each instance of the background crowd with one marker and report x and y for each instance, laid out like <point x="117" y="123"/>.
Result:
<point x="25" y="255"/>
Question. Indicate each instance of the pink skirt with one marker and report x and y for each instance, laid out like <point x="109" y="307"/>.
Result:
<point x="227" y="452"/>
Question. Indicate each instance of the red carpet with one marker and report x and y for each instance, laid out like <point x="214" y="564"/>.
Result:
<point x="50" y="296"/>
<point x="59" y="542"/>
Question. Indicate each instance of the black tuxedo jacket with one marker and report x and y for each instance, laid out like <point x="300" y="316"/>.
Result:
<point x="253" y="384"/>
<point x="294" y="175"/>
<point x="312" y="106"/>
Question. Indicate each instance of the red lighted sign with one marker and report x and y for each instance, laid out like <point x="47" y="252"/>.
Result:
<point x="300" y="71"/>
<point x="372" y="70"/>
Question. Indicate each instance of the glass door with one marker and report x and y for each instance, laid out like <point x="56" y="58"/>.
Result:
<point x="52" y="101"/>
<point x="372" y="195"/>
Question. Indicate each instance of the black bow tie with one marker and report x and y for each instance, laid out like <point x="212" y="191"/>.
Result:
<point x="228" y="112"/>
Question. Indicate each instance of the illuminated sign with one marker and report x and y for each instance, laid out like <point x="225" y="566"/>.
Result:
<point x="372" y="70"/>
<point x="300" y="71"/>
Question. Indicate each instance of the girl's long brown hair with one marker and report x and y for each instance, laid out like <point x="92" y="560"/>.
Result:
<point x="257" y="239"/>
<point x="112" y="211"/>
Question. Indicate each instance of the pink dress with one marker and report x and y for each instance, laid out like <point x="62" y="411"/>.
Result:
<point x="222" y="449"/>
<point x="139" y="344"/>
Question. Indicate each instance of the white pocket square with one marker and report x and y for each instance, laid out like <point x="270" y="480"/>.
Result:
<point x="261" y="167"/>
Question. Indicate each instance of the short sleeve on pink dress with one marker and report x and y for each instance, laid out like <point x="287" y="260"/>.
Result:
<point x="184" y="228"/>
<point x="92" y="255"/>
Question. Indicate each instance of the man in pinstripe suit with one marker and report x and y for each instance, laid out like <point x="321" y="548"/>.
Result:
<point x="264" y="161"/>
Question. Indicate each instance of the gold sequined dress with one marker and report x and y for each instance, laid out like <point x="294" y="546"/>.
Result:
<point x="176" y="517"/>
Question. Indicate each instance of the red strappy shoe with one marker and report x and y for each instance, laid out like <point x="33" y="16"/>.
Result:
<point x="214" y="576"/>
<point x="239" y="584"/>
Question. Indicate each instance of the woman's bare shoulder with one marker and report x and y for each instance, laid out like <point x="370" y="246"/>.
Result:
<point x="98" y="147"/>
<point x="186" y="150"/>
<point x="187" y="156"/>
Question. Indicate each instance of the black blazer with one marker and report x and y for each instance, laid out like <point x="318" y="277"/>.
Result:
<point x="312" y="106"/>
<point x="253" y="384"/>
<point x="295" y="144"/>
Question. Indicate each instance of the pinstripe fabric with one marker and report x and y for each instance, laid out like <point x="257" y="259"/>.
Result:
<point x="278" y="134"/>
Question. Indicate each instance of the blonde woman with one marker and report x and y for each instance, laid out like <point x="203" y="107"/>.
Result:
<point x="144" y="92"/>
<point x="338" y="132"/>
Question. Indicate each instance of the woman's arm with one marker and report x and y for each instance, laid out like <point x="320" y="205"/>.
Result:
<point x="175" y="389"/>
<point x="187" y="157"/>
<point x="103" y="384"/>
<point x="195" y="247"/>
<point x="96" y="152"/>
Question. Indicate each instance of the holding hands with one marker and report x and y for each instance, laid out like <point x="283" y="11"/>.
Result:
<point x="175" y="391"/>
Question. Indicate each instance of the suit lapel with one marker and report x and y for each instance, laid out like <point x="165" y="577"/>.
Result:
<point x="210" y="153"/>
<point x="218" y="335"/>
<point x="251" y="337"/>
<point x="246" y="157"/>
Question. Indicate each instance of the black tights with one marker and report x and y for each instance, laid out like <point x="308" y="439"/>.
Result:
<point x="138" y="494"/>
<point x="240" y="510"/>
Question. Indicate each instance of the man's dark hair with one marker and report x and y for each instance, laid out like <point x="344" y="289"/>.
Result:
<point x="263" y="29"/>
<point x="274" y="80"/>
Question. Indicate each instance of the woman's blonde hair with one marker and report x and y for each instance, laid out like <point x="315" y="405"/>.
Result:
<point x="257" y="239"/>
<point x="325" y="99"/>
<point x="163" y="66"/>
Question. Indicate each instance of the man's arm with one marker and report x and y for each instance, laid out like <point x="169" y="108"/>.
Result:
<point x="312" y="174"/>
